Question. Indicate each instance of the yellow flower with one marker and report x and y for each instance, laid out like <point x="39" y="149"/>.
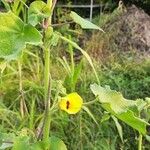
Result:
<point x="71" y="103"/>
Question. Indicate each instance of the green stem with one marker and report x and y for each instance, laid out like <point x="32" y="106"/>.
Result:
<point x="47" y="85"/>
<point x="91" y="102"/>
<point x="46" y="129"/>
<point x="140" y="141"/>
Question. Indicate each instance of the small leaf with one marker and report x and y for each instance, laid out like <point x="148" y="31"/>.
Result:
<point x="57" y="144"/>
<point x="105" y="117"/>
<point x="38" y="10"/>
<point x="14" y="35"/>
<point x="85" y="24"/>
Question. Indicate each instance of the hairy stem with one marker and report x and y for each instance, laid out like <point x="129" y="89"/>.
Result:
<point x="46" y="130"/>
<point x="47" y="84"/>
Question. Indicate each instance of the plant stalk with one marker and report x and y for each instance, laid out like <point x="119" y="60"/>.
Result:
<point x="46" y="128"/>
<point x="140" y="141"/>
<point x="47" y="86"/>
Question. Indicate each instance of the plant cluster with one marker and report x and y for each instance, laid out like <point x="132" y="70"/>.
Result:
<point x="37" y="106"/>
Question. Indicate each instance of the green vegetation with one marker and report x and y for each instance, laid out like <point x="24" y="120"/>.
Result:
<point x="41" y="64"/>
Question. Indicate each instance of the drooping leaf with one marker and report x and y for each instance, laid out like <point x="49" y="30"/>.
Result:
<point x="116" y="104"/>
<point x="85" y="54"/>
<point x="85" y="24"/>
<point x="14" y="35"/>
<point x="57" y="144"/>
<point x="38" y="10"/>
<point x="119" y="127"/>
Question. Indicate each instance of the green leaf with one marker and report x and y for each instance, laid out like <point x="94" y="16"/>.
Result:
<point x="119" y="127"/>
<point x="75" y="45"/>
<point x="37" y="146"/>
<point x="57" y="144"/>
<point x="6" y="5"/>
<point x="21" y="143"/>
<point x="38" y="10"/>
<point x="85" y="24"/>
<point x="14" y="35"/>
<point x="117" y="105"/>
<point x="105" y="117"/>
<point x="77" y="72"/>
<point x="147" y="138"/>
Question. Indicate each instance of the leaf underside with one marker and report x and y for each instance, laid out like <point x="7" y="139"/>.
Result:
<point x="117" y="105"/>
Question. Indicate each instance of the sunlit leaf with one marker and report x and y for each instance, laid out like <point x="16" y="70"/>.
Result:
<point x="85" y="24"/>
<point x="38" y="10"/>
<point x="120" y="107"/>
<point x="14" y="35"/>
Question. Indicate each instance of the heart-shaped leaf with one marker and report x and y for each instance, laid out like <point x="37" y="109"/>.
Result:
<point x="14" y="35"/>
<point x="85" y="24"/>
<point x="38" y="10"/>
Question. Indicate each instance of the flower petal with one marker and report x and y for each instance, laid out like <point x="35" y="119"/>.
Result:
<point x="72" y="103"/>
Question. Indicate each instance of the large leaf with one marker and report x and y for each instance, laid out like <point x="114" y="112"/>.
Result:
<point x="120" y="107"/>
<point x="57" y="144"/>
<point x="14" y="35"/>
<point x="38" y="10"/>
<point x="85" y="24"/>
